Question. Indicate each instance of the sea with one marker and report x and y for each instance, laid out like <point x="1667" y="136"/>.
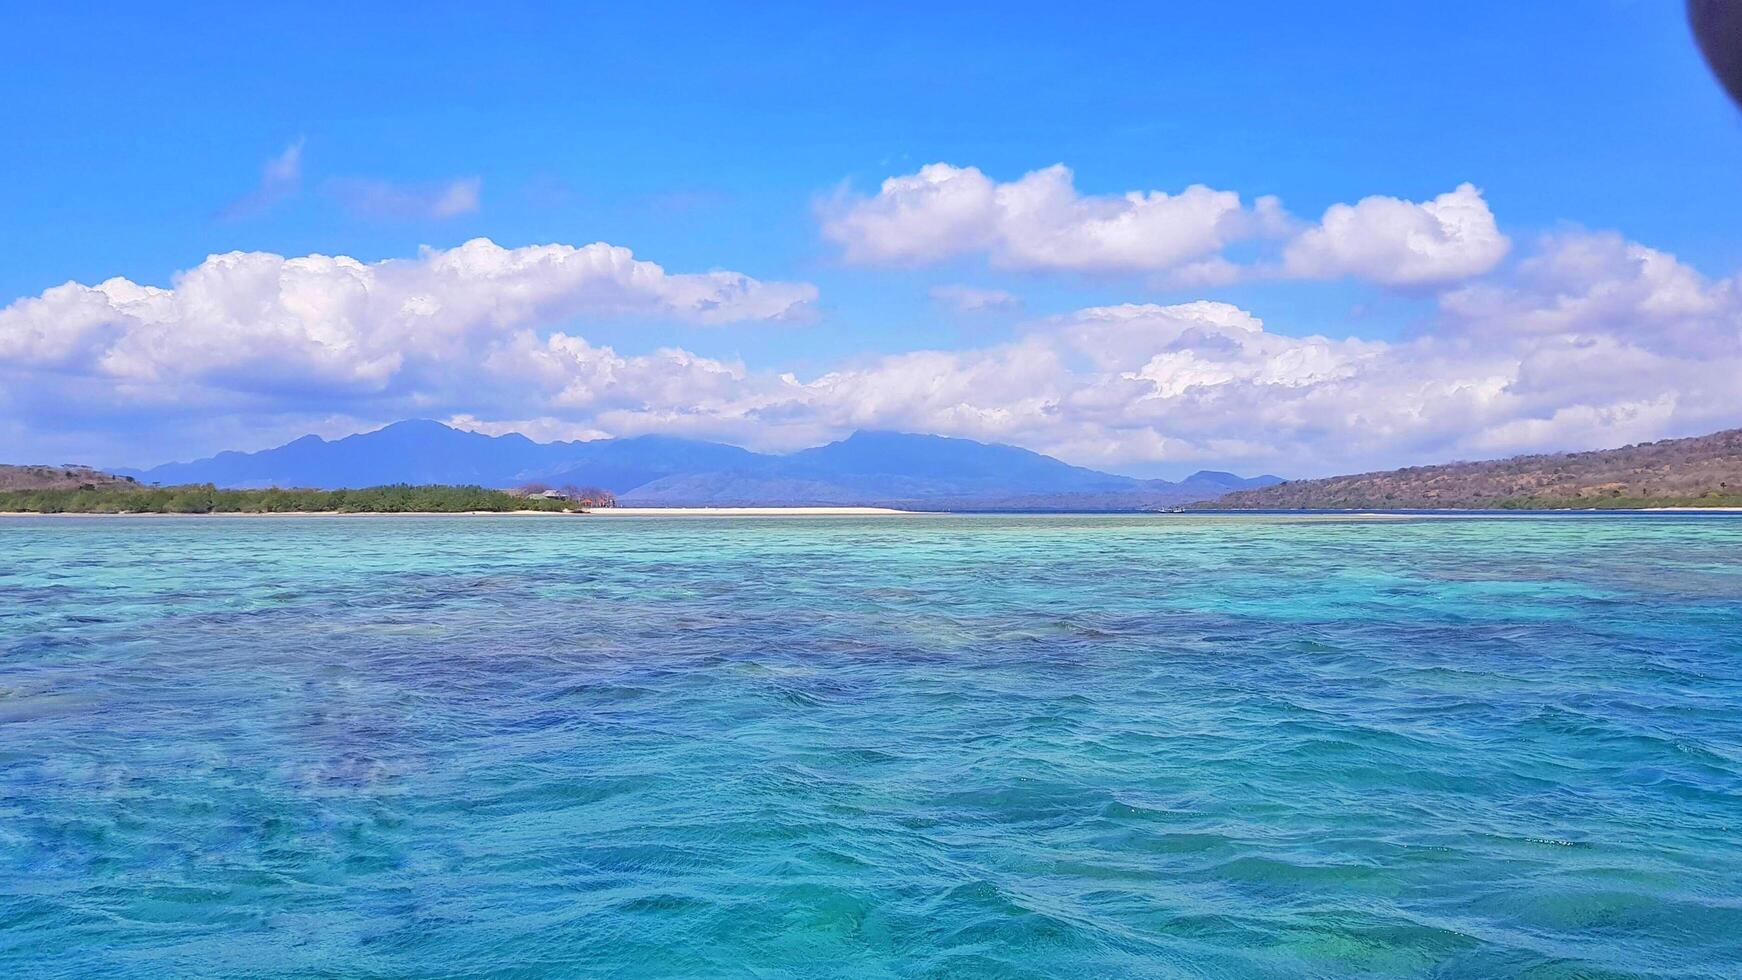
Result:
<point x="929" y="746"/>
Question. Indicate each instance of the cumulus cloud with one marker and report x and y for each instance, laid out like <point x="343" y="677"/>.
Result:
<point x="1039" y="221"/>
<point x="279" y="179"/>
<point x="1590" y="341"/>
<point x="1401" y="243"/>
<point x="972" y="299"/>
<point x="389" y="200"/>
<point x="1210" y="383"/>
<point x="258" y="321"/>
<point x="1602" y="282"/>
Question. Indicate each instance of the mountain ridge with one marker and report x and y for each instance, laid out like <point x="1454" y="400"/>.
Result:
<point x="867" y="467"/>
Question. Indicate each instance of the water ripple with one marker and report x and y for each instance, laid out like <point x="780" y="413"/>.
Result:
<point x="952" y="747"/>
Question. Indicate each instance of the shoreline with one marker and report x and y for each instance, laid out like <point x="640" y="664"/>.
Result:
<point x="1519" y="512"/>
<point x="308" y="513"/>
<point x="891" y="512"/>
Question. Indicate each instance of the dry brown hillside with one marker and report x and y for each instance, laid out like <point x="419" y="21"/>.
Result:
<point x="68" y="477"/>
<point x="1700" y="470"/>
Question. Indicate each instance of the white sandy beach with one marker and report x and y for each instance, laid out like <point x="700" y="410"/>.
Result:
<point x="1697" y="510"/>
<point x="750" y="512"/>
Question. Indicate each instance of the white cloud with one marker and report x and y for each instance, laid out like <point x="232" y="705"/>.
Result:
<point x="282" y="176"/>
<point x="1602" y="282"/>
<point x="1039" y="221"/>
<point x="1593" y="341"/>
<point x="257" y="321"/>
<point x="279" y="179"/>
<point x="1200" y="383"/>
<point x="385" y="199"/>
<point x="284" y="170"/>
<point x="972" y="299"/>
<point x="1213" y="271"/>
<point x="1401" y="243"/>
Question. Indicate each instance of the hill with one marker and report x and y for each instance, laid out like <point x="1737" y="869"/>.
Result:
<point x="67" y="477"/>
<point x="1698" y="471"/>
<point x="867" y="468"/>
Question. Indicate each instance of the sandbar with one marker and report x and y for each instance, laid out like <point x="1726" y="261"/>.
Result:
<point x="750" y="512"/>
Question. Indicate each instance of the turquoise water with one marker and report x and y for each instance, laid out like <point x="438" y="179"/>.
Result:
<point x="954" y="747"/>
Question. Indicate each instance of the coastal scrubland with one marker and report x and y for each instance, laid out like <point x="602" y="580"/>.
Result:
<point x="1703" y="471"/>
<point x="69" y="476"/>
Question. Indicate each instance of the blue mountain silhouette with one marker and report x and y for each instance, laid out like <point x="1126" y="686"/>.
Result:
<point x="867" y="467"/>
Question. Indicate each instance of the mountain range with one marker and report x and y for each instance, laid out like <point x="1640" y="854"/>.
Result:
<point x="867" y="468"/>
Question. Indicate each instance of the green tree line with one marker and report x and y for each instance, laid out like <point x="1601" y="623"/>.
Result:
<point x="1710" y="499"/>
<point x="399" y="498"/>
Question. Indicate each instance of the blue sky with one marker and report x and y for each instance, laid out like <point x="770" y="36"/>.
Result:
<point x="707" y="137"/>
